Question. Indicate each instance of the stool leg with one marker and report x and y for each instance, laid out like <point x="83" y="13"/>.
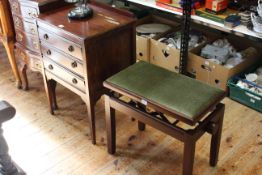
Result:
<point x="189" y="156"/>
<point x="110" y="126"/>
<point x="141" y="126"/>
<point x="216" y="138"/>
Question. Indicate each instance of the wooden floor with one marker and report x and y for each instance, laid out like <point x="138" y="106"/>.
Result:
<point x="44" y="144"/>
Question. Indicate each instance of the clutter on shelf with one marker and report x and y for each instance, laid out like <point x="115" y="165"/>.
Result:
<point x="252" y="81"/>
<point x="223" y="53"/>
<point x="176" y="5"/>
<point x="257" y="19"/>
<point x="173" y="40"/>
<point x="246" y="88"/>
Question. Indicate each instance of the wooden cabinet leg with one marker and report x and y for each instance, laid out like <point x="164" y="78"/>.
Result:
<point x="91" y="120"/>
<point x="9" y="47"/>
<point x="141" y="126"/>
<point x="189" y="156"/>
<point x="22" y="70"/>
<point x="216" y="138"/>
<point x="110" y="127"/>
<point x="49" y="94"/>
<point x="52" y="84"/>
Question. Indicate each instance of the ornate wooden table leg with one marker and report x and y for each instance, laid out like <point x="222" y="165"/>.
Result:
<point x="22" y="69"/>
<point x="9" y="47"/>
<point x="52" y="84"/>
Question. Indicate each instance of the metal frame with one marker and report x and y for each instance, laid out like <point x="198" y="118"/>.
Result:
<point x="186" y="20"/>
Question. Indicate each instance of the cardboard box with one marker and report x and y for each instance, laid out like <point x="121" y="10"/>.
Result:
<point x="218" y="75"/>
<point x="143" y="43"/>
<point x="168" y="57"/>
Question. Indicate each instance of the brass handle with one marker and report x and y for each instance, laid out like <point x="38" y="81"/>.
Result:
<point x="32" y="30"/>
<point x="15" y="6"/>
<point x="35" y="44"/>
<point x="71" y="49"/>
<point x="46" y="37"/>
<point x="19" y="37"/>
<point x="50" y="66"/>
<point x="32" y="14"/>
<point x="23" y="56"/>
<point x="74" y="64"/>
<point x="74" y="81"/>
<point x="17" y="22"/>
<point x="48" y="52"/>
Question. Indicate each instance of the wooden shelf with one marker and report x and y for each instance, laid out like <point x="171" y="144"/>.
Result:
<point x="239" y="30"/>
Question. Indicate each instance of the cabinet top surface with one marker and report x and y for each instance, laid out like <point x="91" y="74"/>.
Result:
<point x="103" y="20"/>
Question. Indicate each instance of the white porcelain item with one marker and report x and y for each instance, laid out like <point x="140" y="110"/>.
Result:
<point x="257" y="23"/>
<point x="252" y="77"/>
<point x="242" y="84"/>
<point x="259" y="71"/>
<point x="152" y="28"/>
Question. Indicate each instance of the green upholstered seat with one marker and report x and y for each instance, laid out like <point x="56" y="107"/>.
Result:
<point x="176" y="92"/>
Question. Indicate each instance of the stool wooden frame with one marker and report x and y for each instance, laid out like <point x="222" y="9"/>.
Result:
<point x="212" y="124"/>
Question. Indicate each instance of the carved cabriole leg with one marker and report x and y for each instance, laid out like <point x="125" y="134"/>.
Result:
<point x="110" y="126"/>
<point x="52" y="84"/>
<point x="22" y="67"/>
<point x="216" y="138"/>
<point x="9" y="47"/>
<point x="189" y="156"/>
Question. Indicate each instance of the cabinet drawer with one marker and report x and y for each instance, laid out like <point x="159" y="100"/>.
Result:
<point x="28" y="12"/>
<point x="64" y="60"/>
<point x="35" y="63"/>
<point x="15" y="7"/>
<point x="29" y="41"/>
<point x="28" y="57"/>
<point x="27" y="26"/>
<point x="60" y="43"/>
<point x="63" y="74"/>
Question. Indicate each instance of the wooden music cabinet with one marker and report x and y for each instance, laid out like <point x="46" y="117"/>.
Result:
<point x="80" y="55"/>
<point x="7" y="37"/>
<point x="27" y="47"/>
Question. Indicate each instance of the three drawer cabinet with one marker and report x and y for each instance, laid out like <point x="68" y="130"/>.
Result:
<point x="80" y="55"/>
<point x="7" y="37"/>
<point x="27" y="46"/>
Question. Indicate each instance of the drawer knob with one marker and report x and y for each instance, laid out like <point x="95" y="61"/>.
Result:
<point x="48" y="52"/>
<point x="50" y="66"/>
<point x="35" y="44"/>
<point x="32" y="30"/>
<point x="74" y="64"/>
<point x="19" y="37"/>
<point x="46" y="37"/>
<point x="71" y="49"/>
<point x="32" y="14"/>
<point x="74" y="81"/>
